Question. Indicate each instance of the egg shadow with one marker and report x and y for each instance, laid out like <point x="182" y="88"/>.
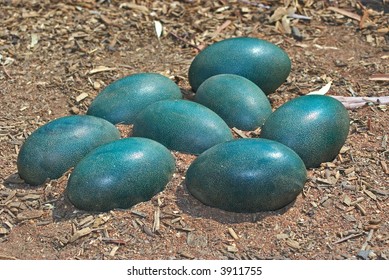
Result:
<point x="64" y="210"/>
<point x="191" y="206"/>
<point x="14" y="182"/>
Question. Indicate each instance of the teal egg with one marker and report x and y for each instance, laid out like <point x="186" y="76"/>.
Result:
<point x="58" y="145"/>
<point x="237" y="100"/>
<point x="314" y="126"/>
<point x="120" y="174"/>
<point x="246" y="175"/>
<point x="181" y="125"/>
<point x="260" y="61"/>
<point x="123" y="99"/>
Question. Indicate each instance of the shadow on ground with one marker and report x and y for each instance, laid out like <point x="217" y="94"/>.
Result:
<point x="193" y="207"/>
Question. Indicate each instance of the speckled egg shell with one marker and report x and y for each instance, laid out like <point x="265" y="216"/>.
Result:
<point x="182" y="125"/>
<point x="247" y="175"/>
<point x="314" y="126"/>
<point x="237" y="100"/>
<point x="58" y="145"/>
<point x="120" y="174"/>
<point x="258" y="60"/>
<point x="123" y="99"/>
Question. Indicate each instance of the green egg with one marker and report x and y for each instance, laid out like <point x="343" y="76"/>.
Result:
<point x="237" y="100"/>
<point x="58" y="145"/>
<point x="120" y="174"/>
<point x="260" y="61"/>
<point x="123" y="99"/>
<point x="314" y="126"/>
<point x="247" y="175"/>
<point x="181" y="125"/>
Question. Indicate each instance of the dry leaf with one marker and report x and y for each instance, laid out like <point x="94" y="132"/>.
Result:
<point x="158" y="28"/>
<point x="278" y="14"/>
<point x="286" y="25"/>
<point x="321" y="91"/>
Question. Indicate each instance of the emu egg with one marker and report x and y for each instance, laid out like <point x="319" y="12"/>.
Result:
<point x="123" y="99"/>
<point x="120" y="174"/>
<point x="314" y="126"/>
<point x="181" y="125"/>
<point x="237" y="100"/>
<point x="260" y="61"/>
<point x="247" y="175"/>
<point x="58" y="145"/>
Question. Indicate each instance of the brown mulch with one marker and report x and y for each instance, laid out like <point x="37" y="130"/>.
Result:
<point x="56" y="56"/>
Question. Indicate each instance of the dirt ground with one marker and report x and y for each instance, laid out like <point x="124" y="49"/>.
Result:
<point x="56" y="56"/>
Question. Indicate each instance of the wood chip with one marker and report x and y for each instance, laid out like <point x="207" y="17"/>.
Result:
<point x="113" y="251"/>
<point x="360" y="208"/>
<point x="379" y="77"/>
<point x="74" y="110"/>
<point x="29" y="215"/>
<point x="186" y="254"/>
<point x="31" y="197"/>
<point x="358" y="200"/>
<point x="344" y="149"/>
<point x="375" y="221"/>
<point x="6" y="257"/>
<point x="293" y="244"/>
<point x="85" y="221"/>
<point x="138" y="213"/>
<point x="196" y="240"/>
<point x="347" y="200"/>
<point x="282" y="236"/>
<point x="133" y="6"/>
<point x="80" y="233"/>
<point x="371" y="227"/>
<point x="380" y="192"/>
<point x="106" y="20"/>
<point x="101" y="69"/>
<point x="178" y="227"/>
<point x="349" y="218"/>
<point x="101" y="219"/>
<point x="370" y="194"/>
<point x="3" y="231"/>
<point x="348" y="237"/>
<point x="384" y="166"/>
<point x="221" y="27"/>
<point x="349" y="170"/>
<point x="239" y="132"/>
<point x="81" y="97"/>
<point x="345" y="13"/>
<point x="187" y="229"/>
<point x="364" y="19"/>
<point x="157" y="223"/>
<point x="147" y="230"/>
<point x="175" y="220"/>
<point x="10" y="196"/>
<point x="324" y="181"/>
<point x="368" y="238"/>
<point x="232" y="249"/>
<point x="233" y="233"/>
<point x="114" y="241"/>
